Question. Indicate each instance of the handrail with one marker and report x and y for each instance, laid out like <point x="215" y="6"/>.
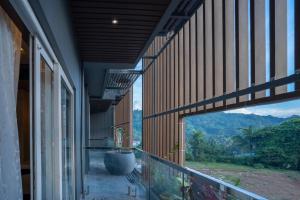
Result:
<point x="231" y="189"/>
<point x="254" y="88"/>
<point x="193" y="173"/>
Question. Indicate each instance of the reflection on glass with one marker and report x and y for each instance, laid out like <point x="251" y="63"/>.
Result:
<point x="46" y="130"/>
<point x="67" y="144"/>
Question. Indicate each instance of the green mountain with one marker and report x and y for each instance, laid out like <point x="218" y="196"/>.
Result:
<point x="137" y="125"/>
<point x="216" y="124"/>
<point x="227" y="124"/>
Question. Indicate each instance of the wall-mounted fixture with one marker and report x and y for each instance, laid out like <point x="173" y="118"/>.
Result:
<point x="114" y="21"/>
<point x="117" y="82"/>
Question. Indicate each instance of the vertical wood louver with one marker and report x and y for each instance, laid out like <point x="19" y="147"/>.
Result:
<point x="218" y="60"/>
<point x="123" y="118"/>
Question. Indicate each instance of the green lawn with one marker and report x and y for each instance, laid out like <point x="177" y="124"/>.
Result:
<point x="214" y="165"/>
<point x="266" y="182"/>
<point x="234" y="167"/>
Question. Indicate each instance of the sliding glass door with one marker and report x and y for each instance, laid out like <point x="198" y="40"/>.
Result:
<point x="43" y="119"/>
<point x="67" y="143"/>
<point x="47" y="156"/>
<point x="53" y="122"/>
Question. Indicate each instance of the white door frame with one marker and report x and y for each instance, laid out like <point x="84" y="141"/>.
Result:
<point x="63" y="78"/>
<point x="39" y="53"/>
<point x="58" y="77"/>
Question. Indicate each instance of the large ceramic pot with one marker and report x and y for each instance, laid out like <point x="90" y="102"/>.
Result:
<point x="119" y="162"/>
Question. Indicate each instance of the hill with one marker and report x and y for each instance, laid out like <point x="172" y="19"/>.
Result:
<point x="137" y="125"/>
<point x="220" y="123"/>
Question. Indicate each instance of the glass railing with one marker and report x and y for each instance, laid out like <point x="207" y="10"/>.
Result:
<point x="155" y="178"/>
<point x="168" y="181"/>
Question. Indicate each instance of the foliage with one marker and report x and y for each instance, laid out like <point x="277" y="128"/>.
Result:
<point x="137" y="125"/>
<point x="163" y="183"/>
<point x="276" y="146"/>
<point x="238" y="138"/>
<point x="218" y="124"/>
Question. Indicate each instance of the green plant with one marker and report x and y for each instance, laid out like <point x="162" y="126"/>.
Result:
<point x="173" y="150"/>
<point x="121" y="136"/>
<point x="258" y="166"/>
<point x="165" y="182"/>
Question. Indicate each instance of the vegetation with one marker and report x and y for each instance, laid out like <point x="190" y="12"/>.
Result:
<point x="244" y="176"/>
<point x="218" y="124"/>
<point x="223" y="124"/>
<point x="276" y="146"/>
<point x="137" y="125"/>
<point x="252" y="140"/>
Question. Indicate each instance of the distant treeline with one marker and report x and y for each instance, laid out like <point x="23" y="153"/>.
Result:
<point x="275" y="146"/>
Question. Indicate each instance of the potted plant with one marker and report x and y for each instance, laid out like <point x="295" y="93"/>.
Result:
<point x="120" y="161"/>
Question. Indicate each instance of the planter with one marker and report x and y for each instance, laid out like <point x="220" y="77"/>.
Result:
<point x="119" y="162"/>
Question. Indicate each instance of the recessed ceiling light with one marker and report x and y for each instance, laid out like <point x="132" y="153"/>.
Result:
<point x="114" y="21"/>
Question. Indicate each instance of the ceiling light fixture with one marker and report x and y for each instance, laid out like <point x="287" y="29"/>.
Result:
<point x="114" y="21"/>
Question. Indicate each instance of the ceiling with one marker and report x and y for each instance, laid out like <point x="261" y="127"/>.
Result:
<point x="99" y="106"/>
<point x="104" y="45"/>
<point x="99" y="40"/>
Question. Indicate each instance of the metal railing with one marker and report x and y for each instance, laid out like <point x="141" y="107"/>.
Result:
<point x="163" y="179"/>
<point x="166" y="180"/>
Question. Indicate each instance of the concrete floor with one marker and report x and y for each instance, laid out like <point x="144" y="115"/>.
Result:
<point x="100" y="185"/>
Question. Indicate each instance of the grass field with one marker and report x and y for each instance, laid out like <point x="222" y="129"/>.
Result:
<point x="271" y="183"/>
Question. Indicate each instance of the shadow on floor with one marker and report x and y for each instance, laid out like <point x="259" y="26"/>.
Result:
<point x="100" y="185"/>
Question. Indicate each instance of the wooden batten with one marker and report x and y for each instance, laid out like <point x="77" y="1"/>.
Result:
<point x="243" y="47"/>
<point x="200" y="56"/>
<point x="260" y="45"/>
<point x="220" y="49"/>
<point x="281" y="43"/>
<point x="208" y="49"/>
<point x="230" y="49"/>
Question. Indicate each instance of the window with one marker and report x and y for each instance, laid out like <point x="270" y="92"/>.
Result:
<point x="67" y="144"/>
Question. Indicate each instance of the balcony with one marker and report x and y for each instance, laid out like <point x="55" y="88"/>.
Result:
<point x="155" y="178"/>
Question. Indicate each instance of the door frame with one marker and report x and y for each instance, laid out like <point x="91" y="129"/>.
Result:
<point x="63" y="78"/>
<point x="40" y="52"/>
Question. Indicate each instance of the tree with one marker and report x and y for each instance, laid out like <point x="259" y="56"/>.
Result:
<point x="197" y="146"/>
<point x="279" y="146"/>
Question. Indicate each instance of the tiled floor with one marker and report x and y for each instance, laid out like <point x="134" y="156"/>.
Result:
<point x="100" y="185"/>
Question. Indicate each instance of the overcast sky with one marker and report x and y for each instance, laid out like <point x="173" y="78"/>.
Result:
<point x="285" y="109"/>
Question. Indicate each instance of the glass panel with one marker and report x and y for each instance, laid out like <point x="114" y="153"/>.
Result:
<point x="165" y="181"/>
<point x="46" y="130"/>
<point x="67" y="144"/>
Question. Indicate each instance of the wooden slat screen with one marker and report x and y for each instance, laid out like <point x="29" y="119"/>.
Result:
<point x="208" y="49"/>
<point x="218" y="50"/>
<point x="200" y="56"/>
<point x="280" y="42"/>
<point x="193" y="60"/>
<point x="123" y="117"/>
<point x="221" y="49"/>
<point x="243" y="47"/>
<point x="230" y="48"/>
<point x="259" y="45"/>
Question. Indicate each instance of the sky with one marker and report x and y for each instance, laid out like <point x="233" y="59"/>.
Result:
<point x="137" y="90"/>
<point x="285" y="109"/>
